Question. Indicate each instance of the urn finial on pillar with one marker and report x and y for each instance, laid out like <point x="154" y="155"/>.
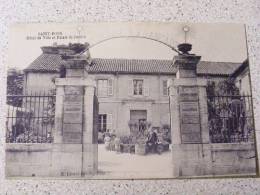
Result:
<point x="76" y="59"/>
<point x="184" y="48"/>
<point x="186" y="63"/>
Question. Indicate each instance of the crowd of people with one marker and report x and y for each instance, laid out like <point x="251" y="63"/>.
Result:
<point x="115" y="143"/>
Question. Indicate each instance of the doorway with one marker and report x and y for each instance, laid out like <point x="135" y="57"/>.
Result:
<point x="139" y="117"/>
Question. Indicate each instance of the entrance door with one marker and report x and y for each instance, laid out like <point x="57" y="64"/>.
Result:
<point x="136" y="115"/>
<point x="140" y="117"/>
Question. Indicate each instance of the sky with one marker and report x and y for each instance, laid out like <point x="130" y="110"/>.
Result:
<point x="213" y="42"/>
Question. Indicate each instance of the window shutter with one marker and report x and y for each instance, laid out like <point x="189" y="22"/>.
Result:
<point x="165" y="90"/>
<point x="146" y="88"/>
<point x="130" y="87"/>
<point x="109" y="122"/>
<point x="110" y="87"/>
<point x="98" y="87"/>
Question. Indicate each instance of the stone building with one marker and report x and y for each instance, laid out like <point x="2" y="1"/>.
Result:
<point x="242" y="78"/>
<point x="127" y="89"/>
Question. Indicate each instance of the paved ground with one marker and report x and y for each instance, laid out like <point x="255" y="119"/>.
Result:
<point x="126" y="165"/>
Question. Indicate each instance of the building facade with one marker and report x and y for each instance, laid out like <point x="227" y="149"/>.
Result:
<point x="241" y="77"/>
<point x="127" y="89"/>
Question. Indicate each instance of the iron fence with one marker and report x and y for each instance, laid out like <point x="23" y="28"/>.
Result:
<point x="30" y="118"/>
<point x="230" y="118"/>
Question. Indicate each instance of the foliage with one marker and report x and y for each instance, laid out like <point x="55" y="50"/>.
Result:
<point x="225" y="87"/>
<point x="165" y="126"/>
<point x="15" y="79"/>
<point x="50" y="111"/>
<point x="126" y="139"/>
<point x="25" y="130"/>
<point x="29" y="137"/>
<point x="78" y="47"/>
<point x="33" y="120"/>
<point x="166" y="132"/>
<point x="139" y="130"/>
<point x="226" y="112"/>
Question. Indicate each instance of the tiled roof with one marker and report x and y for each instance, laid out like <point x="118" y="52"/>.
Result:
<point x="45" y="63"/>
<point x="52" y="62"/>
<point x="132" y="66"/>
<point x="217" y="68"/>
<point x="240" y="69"/>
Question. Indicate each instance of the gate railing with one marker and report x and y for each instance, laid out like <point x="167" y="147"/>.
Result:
<point x="230" y="118"/>
<point x="30" y="118"/>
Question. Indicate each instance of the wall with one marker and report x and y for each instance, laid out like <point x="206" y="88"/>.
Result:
<point x="28" y="159"/>
<point x="43" y="160"/>
<point x="243" y="82"/>
<point x="39" y="82"/>
<point x="220" y="159"/>
<point x="47" y="160"/>
<point x="234" y="157"/>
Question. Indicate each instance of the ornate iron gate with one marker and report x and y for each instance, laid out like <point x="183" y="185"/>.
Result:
<point x="230" y="118"/>
<point x="30" y="118"/>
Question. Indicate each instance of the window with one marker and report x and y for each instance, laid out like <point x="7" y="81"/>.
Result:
<point x="102" y="122"/>
<point x="105" y="87"/>
<point x="102" y="87"/>
<point x="138" y="86"/>
<point x="165" y="89"/>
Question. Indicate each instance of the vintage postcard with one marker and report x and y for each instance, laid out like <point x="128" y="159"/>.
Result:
<point x="129" y="101"/>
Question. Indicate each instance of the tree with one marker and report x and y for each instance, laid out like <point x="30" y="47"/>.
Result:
<point x="225" y="87"/>
<point x="220" y="98"/>
<point x="15" y="81"/>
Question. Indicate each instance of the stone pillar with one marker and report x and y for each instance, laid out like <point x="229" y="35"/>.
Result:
<point x="90" y="132"/>
<point x="189" y="119"/>
<point x="75" y="137"/>
<point x="57" y="134"/>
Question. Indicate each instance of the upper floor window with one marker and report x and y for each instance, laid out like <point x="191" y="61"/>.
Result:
<point x="165" y="88"/>
<point x="138" y="86"/>
<point x="104" y="87"/>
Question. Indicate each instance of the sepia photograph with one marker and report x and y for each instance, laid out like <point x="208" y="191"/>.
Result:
<point x="129" y="100"/>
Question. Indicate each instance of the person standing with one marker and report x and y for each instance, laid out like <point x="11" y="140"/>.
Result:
<point x="152" y="140"/>
<point x="107" y="140"/>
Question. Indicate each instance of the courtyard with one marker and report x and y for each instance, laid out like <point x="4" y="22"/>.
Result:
<point x="126" y="165"/>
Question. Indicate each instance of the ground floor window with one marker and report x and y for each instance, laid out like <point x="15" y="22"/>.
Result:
<point x="102" y="122"/>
